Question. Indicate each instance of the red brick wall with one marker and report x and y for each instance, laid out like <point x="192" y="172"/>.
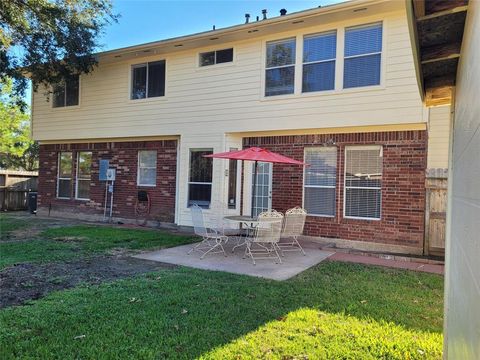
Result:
<point x="403" y="185"/>
<point x="123" y="156"/>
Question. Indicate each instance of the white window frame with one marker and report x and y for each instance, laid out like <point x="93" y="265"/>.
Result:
<point x="294" y="65"/>
<point x="65" y="106"/>
<point x="197" y="182"/>
<point x="63" y="178"/>
<point x="77" y="175"/>
<point x="199" y="63"/>
<point x="363" y="55"/>
<point x="320" y="61"/>
<point x="146" y="64"/>
<point x="360" y="147"/>
<point x="146" y="167"/>
<point x="319" y="186"/>
<point x="339" y="61"/>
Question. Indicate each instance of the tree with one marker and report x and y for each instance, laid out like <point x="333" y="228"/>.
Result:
<point x="17" y="150"/>
<point x="49" y="40"/>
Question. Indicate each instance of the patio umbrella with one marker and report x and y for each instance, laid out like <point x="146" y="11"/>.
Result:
<point x="256" y="154"/>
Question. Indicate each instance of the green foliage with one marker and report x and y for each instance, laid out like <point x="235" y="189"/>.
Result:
<point x="332" y="311"/>
<point x="17" y="150"/>
<point x="49" y="40"/>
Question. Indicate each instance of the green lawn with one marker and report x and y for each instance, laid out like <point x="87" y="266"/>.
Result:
<point x="62" y="243"/>
<point x="334" y="311"/>
<point x="9" y="224"/>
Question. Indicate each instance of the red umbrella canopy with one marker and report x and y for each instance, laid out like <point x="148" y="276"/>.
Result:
<point x="256" y="154"/>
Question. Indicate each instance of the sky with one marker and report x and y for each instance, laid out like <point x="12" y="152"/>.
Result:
<point x="150" y="20"/>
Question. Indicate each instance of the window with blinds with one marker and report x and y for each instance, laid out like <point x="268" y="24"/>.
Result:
<point x="363" y="182"/>
<point x="320" y="181"/>
<point x="363" y="52"/>
<point x="319" y="52"/>
<point x="280" y="67"/>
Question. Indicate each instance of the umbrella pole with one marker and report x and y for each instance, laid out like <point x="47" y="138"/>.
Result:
<point x="254" y="186"/>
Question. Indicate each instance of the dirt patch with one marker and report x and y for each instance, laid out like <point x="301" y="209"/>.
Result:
<point x="25" y="282"/>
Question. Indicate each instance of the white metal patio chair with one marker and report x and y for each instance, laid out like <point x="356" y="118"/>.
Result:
<point x="211" y="239"/>
<point x="264" y="243"/>
<point x="293" y="225"/>
<point x="219" y="224"/>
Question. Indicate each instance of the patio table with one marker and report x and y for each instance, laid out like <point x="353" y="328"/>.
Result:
<point x="248" y="221"/>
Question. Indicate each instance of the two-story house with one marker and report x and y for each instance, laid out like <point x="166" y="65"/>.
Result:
<point x="332" y="86"/>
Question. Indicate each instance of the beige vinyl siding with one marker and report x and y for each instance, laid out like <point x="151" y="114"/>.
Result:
<point x="438" y="137"/>
<point x="229" y="97"/>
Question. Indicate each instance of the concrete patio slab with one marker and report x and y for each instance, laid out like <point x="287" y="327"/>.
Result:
<point x="293" y="263"/>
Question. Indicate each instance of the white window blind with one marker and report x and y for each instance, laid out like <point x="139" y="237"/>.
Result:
<point x="363" y="51"/>
<point x="280" y="67"/>
<point x="320" y="181"/>
<point x="363" y="182"/>
<point x="147" y="168"/>
<point x="319" y="52"/>
<point x="84" y="168"/>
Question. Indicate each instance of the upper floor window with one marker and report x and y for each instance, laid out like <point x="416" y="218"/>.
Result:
<point x="147" y="168"/>
<point x="216" y="57"/>
<point x="363" y="51"/>
<point x="66" y="93"/>
<point x="280" y="67"/>
<point x="363" y="182"/>
<point x="319" y="52"/>
<point x="148" y="80"/>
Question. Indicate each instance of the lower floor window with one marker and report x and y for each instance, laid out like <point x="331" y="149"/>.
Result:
<point x="363" y="182"/>
<point x="147" y="168"/>
<point x="200" y="178"/>
<point x="84" y="165"/>
<point x="320" y="181"/>
<point x="64" y="180"/>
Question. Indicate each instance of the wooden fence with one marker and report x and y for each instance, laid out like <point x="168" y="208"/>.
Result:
<point x="435" y="212"/>
<point x="14" y="188"/>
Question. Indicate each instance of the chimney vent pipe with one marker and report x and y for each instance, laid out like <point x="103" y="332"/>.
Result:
<point x="283" y="12"/>
<point x="264" y="13"/>
<point x="247" y="18"/>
